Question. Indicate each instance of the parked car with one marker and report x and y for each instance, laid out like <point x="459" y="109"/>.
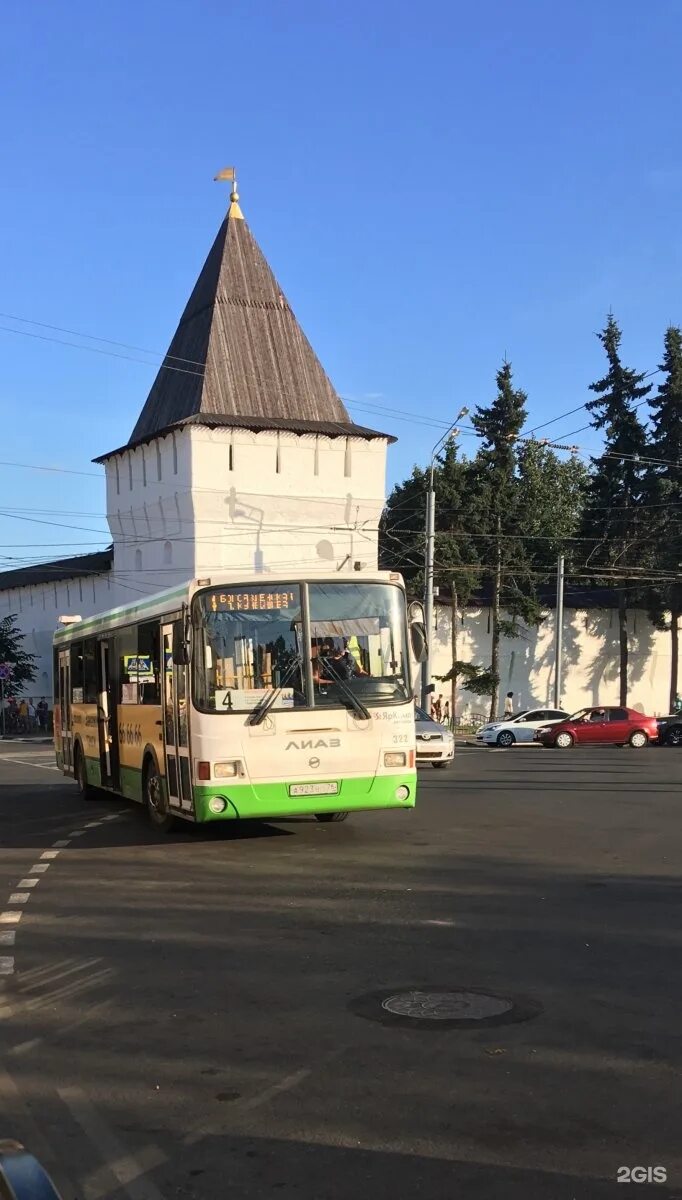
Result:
<point x="602" y="725"/>
<point x="435" y="743"/>
<point x="519" y="728"/>
<point x="670" y="730"/>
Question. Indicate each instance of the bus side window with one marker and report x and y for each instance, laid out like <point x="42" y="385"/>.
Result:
<point x="90" y="685"/>
<point x="76" y="672"/>
<point x="149" y="662"/>
<point x="126" y="641"/>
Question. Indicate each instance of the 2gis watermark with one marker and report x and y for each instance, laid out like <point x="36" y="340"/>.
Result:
<point x="641" y="1175"/>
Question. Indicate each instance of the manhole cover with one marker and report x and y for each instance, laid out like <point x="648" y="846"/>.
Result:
<point x="442" y="1007"/>
<point x="447" y="1006"/>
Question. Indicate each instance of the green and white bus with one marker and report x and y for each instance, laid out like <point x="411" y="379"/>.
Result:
<point x="230" y="698"/>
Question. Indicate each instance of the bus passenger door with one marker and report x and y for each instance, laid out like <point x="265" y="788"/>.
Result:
<point x="65" y="710"/>
<point x="175" y="722"/>
<point x="106" y="716"/>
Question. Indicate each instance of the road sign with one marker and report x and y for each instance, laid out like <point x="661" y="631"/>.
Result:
<point x="6" y="670"/>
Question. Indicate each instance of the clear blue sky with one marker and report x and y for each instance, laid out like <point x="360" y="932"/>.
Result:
<point x="434" y="185"/>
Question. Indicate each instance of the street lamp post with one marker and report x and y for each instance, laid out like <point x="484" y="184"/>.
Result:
<point x="429" y="556"/>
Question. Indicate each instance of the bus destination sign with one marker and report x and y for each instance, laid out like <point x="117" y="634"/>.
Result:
<point x="250" y="601"/>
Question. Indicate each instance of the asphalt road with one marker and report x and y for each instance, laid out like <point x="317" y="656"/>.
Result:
<point x="185" y="1015"/>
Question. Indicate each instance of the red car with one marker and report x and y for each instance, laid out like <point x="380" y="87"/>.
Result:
<point x="602" y="725"/>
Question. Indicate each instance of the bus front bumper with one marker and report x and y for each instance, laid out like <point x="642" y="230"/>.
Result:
<point x="269" y="801"/>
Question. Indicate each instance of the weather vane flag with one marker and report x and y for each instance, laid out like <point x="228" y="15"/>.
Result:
<point x="229" y="175"/>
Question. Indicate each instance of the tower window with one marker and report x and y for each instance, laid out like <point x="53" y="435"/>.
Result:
<point x="130" y="471"/>
<point x="118" y="480"/>
<point x="158" y="461"/>
<point x="138" y="560"/>
<point x="167" y="553"/>
<point x="175" y="456"/>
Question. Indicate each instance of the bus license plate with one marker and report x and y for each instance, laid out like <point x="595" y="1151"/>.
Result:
<point x="313" y="789"/>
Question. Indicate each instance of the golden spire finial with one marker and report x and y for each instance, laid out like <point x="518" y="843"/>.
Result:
<point x="229" y="174"/>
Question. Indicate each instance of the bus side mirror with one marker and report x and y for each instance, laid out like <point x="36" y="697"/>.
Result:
<point x="180" y="644"/>
<point x="418" y="631"/>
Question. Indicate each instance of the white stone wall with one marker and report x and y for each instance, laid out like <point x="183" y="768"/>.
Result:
<point x="202" y="500"/>
<point x="236" y="500"/>
<point x="37" y="608"/>
<point x="590" y="660"/>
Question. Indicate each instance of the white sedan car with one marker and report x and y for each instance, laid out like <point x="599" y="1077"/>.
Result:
<point x="519" y="728"/>
<point x="435" y="743"/>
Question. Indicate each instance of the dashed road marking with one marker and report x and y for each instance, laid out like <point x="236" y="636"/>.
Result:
<point x="10" y="917"/>
<point x="49" y="854"/>
<point x="7" y="937"/>
<point x="19" y="897"/>
<point x="61" y="844"/>
<point x="38" y="868"/>
<point x="6" y="965"/>
<point x="27" y="883"/>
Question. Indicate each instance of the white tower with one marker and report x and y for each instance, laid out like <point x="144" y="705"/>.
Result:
<point x="244" y="457"/>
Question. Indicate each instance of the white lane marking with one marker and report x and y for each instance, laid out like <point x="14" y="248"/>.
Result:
<point x="27" y="883"/>
<point x="19" y="897"/>
<point x="127" y="1169"/>
<point x="6" y="966"/>
<point x="39" y="976"/>
<point x="7" y="937"/>
<point x="112" y="817"/>
<point x="95" y="1010"/>
<point x="284" y="1085"/>
<point x="77" y="833"/>
<point x="49" y="854"/>
<point x="60" y="845"/>
<point x="9" y="917"/>
<point x="75" y="988"/>
<point x="92" y="824"/>
<point x="23" y="763"/>
<point x="39" y="868"/>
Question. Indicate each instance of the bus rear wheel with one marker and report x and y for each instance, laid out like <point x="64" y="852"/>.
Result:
<point x="156" y="800"/>
<point x="339" y="816"/>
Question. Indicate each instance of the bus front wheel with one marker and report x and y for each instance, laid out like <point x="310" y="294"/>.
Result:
<point x="156" y="800"/>
<point x="339" y="816"/>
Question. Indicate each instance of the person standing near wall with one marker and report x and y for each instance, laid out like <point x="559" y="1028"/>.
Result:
<point x="509" y="704"/>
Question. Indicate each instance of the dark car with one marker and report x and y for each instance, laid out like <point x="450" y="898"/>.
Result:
<point x="601" y="725"/>
<point x="670" y="730"/>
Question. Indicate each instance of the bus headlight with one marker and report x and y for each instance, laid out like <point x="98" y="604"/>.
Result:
<point x="217" y="804"/>
<point x="395" y="758"/>
<point x="227" y="770"/>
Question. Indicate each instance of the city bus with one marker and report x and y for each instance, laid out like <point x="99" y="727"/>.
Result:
<point x="230" y="698"/>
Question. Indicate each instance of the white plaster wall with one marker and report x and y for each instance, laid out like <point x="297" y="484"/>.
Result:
<point x="269" y="502"/>
<point x="37" y="609"/>
<point x="590" y="660"/>
<point x="238" y="500"/>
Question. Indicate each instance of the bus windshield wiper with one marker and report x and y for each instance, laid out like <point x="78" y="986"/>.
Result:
<point x="349" y="694"/>
<point x="259" y="714"/>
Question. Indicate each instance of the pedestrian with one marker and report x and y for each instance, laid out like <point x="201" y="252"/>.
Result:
<point x="31" y="714"/>
<point x="509" y="704"/>
<point x="23" y="716"/>
<point x="446" y="713"/>
<point x="43" y="710"/>
<point x="438" y="707"/>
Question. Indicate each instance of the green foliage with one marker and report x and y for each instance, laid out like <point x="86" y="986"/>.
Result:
<point x="476" y="679"/>
<point x="663" y="493"/>
<point x="12" y="651"/>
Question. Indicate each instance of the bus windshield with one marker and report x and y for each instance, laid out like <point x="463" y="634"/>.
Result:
<point x="252" y="640"/>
